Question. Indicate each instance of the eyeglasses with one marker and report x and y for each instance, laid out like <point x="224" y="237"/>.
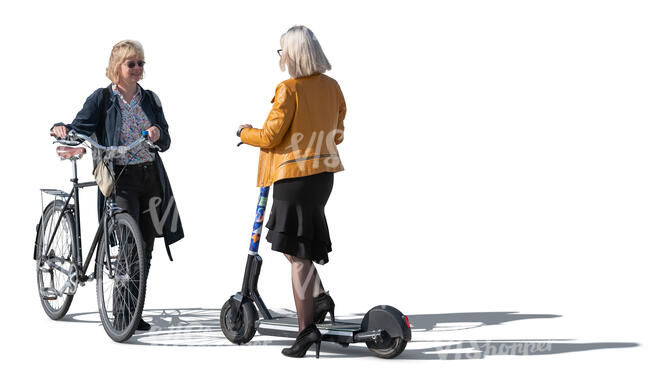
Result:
<point x="131" y="64"/>
<point x="280" y="52"/>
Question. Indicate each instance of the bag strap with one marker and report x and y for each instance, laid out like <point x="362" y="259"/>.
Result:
<point x="106" y="96"/>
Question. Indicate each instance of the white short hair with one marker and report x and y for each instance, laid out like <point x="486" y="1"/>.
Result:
<point x="301" y="53"/>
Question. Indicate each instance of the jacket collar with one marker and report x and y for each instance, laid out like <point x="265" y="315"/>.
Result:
<point x="113" y="97"/>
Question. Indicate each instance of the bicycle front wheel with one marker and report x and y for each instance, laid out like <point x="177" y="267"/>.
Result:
<point x="121" y="277"/>
<point x="55" y="270"/>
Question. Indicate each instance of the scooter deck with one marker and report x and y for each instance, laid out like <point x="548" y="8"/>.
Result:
<point x="341" y="332"/>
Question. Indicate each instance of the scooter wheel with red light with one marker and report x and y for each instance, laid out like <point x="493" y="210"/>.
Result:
<point x="391" y="330"/>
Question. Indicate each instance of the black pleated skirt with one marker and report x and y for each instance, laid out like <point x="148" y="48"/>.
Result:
<point x="297" y="224"/>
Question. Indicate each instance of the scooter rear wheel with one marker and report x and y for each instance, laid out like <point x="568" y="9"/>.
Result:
<point x="242" y="329"/>
<point x="389" y="348"/>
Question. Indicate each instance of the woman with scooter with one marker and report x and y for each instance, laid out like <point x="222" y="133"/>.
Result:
<point x="298" y="156"/>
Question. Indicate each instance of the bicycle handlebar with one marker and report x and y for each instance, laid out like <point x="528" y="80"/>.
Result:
<point x="73" y="139"/>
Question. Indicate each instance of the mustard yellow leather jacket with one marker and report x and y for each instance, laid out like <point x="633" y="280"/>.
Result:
<point x="302" y="130"/>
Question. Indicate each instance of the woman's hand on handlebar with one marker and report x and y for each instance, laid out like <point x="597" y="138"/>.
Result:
<point x="241" y="127"/>
<point x="59" y="131"/>
<point x="154" y="133"/>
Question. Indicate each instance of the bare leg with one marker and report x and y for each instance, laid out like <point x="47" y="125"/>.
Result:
<point x="303" y="280"/>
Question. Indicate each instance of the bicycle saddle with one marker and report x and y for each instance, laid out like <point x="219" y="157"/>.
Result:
<point x="68" y="152"/>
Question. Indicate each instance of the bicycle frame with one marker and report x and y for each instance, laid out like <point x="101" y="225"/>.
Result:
<point x="110" y="208"/>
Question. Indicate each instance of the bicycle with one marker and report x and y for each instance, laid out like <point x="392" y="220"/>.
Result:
<point x="119" y="264"/>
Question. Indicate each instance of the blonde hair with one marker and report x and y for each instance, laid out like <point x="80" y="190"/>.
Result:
<point x="120" y="52"/>
<point x="301" y="53"/>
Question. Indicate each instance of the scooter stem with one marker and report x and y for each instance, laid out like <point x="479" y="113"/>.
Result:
<point x="259" y="220"/>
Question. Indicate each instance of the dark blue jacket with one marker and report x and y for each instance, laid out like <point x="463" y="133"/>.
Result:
<point x="103" y="117"/>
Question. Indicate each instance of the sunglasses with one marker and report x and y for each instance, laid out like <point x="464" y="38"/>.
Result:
<point x="131" y="64"/>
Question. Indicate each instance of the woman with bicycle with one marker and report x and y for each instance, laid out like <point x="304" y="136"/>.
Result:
<point x="298" y="155"/>
<point x="117" y="115"/>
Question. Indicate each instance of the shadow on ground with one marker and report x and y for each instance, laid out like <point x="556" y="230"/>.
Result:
<point x="200" y="327"/>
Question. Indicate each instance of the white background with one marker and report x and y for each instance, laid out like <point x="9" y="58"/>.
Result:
<point x="496" y="161"/>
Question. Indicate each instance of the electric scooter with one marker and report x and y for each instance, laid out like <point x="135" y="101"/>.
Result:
<point x="384" y="329"/>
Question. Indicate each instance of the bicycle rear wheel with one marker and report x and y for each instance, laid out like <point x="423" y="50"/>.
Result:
<point x="121" y="278"/>
<point x="54" y="289"/>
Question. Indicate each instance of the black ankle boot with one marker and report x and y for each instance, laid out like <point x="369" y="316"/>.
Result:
<point x="323" y="304"/>
<point x="143" y="325"/>
<point x="305" y="338"/>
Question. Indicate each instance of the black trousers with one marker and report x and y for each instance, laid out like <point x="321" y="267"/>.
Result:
<point x="138" y="192"/>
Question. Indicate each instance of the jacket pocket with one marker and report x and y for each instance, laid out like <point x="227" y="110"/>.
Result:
<point x="308" y="158"/>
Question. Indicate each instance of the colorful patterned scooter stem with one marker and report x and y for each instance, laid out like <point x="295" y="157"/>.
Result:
<point x="259" y="220"/>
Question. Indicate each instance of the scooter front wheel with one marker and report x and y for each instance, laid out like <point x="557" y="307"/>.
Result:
<point x="241" y="329"/>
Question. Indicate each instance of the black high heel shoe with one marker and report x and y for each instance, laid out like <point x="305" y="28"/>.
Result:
<point x="305" y="338"/>
<point x="323" y="304"/>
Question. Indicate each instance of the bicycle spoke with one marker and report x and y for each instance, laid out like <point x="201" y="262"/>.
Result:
<point x="119" y="313"/>
<point x="108" y="298"/>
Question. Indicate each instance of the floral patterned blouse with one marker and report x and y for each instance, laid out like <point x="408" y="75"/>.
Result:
<point x="134" y="121"/>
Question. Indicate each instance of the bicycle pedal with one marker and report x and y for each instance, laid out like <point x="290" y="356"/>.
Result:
<point x="48" y="294"/>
